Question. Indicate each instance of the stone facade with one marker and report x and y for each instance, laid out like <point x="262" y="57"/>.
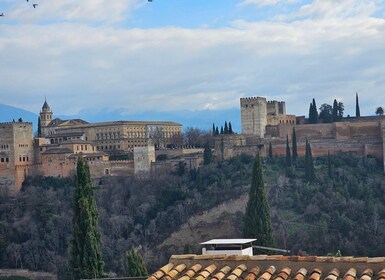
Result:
<point x="254" y="115"/>
<point x="257" y="113"/>
<point x="143" y="157"/>
<point x="16" y="152"/>
<point x="364" y="136"/>
<point x="112" y="137"/>
<point x="64" y="141"/>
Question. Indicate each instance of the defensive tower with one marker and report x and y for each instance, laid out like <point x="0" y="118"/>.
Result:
<point x="254" y="116"/>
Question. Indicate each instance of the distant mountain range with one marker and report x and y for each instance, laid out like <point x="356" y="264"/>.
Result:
<point x="203" y="119"/>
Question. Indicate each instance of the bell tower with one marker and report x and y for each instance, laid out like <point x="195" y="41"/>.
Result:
<point x="45" y="115"/>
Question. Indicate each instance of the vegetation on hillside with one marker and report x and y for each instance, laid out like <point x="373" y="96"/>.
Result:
<point x="342" y="209"/>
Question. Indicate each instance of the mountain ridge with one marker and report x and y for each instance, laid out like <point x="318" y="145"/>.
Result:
<point x="202" y="119"/>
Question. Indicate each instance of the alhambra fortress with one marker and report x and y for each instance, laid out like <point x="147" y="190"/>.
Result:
<point x="130" y="148"/>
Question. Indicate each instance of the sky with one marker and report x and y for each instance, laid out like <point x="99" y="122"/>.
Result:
<point x="136" y="56"/>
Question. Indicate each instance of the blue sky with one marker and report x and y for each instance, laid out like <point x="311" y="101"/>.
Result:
<point x="133" y="56"/>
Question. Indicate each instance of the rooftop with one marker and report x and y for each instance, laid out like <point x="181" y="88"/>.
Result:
<point x="227" y="241"/>
<point x="264" y="267"/>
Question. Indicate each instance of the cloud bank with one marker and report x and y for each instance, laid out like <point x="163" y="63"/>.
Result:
<point x="84" y="55"/>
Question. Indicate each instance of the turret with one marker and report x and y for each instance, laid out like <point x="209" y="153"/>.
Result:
<point x="45" y="115"/>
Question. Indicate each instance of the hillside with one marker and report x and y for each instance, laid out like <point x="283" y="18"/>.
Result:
<point x="171" y="214"/>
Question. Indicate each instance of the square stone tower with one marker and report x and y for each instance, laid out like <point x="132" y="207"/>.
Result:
<point x="254" y="116"/>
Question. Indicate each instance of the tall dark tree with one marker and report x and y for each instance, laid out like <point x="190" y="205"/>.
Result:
<point x="213" y="129"/>
<point x="230" y="129"/>
<point x="294" y="145"/>
<point x="288" y="153"/>
<point x="216" y="131"/>
<point x="207" y="154"/>
<point x="358" y="114"/>
<point x="257" y="223"/>
<point x="135" y="264"/>
<point x="309" y="164"/>
<point x="38" y="127"/>
<point x="288" y="161"/>
<point x="313" y="113"/>
<point x="270" y="151"/>
<point x="222" y="130"/>
<point x="341" y="109"/>
<point x="226" y="130"/>
<point x="335" y="110"/>
<point x="329" y="166"/>
<point x="86" y="256"/>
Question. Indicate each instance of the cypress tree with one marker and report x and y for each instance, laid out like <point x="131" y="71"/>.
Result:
<point x="329" y="166"/>
<point x="270" y="151"/>
<point x="309" y="164"/>
<point x="288" y="153"/>
<point x="86" y="256"/>
<point x="230" y="129"/>
<point x="207" y="154"/>
<point x="213" y="129"/>
<point x="226" y="130"/>
<point x="340" y="110"/>
<point x="257" y="223"/>
<point x="135" y="264"/>
<point x="295" y="151"/>
<point x="335" y="111"/>
<point x="288" y="162"/>
<point x="221" y="129"/>
<point x="216" y="131"/>
<point x="357" y="106"/>
<point x="313" y="113"/>
<point x="38" y="127"/>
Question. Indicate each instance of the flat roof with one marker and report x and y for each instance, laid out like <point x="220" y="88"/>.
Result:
<point x="227" y="241"/>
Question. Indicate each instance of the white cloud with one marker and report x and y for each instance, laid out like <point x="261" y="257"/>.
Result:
<point x="321" y="9"/>
<point x="94" y="11"/>
<point x="80" y="66"/>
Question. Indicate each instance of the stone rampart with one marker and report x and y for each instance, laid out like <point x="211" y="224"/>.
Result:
<point x="33" y="275"/>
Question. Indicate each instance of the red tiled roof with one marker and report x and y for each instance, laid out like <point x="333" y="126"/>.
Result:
<point x="264" y="267"/>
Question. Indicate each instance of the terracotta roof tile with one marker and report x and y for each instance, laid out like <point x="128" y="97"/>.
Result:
<point x="268" y="273"/>
<point x="333" y="274"/>
<point x="300" y="274"/>
<point x="206" y="272"/>
<point x="221" y="273"/>
<point x="262" y="267"/>
<point x="237" y="272"/>
<point x="174" y="272"/>
<point x="252" y="275"/>
<point x="191" y="272"/>
<point x="161" y="272"/>
<point x="381" y="275"/>
<point x="350" y="274"/>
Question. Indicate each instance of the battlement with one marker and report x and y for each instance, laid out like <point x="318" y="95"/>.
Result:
<point x="9" y="124"/>
<point x="253" y="101"/>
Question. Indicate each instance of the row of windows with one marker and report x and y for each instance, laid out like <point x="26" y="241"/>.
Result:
<point x="81" y="147"/>
<point x="110" y="147"/>
<point x="46" y="117"/>
<point x="110" y="135"/>
<point x="4" y="147"/>
<point x="287" y="121"/>
<point x="23" y="145"/>
<point x="4" y="159"/>
<point x="23" y="159"/>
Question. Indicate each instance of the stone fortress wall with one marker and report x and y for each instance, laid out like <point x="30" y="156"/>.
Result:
<point x="363" y="136"/>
